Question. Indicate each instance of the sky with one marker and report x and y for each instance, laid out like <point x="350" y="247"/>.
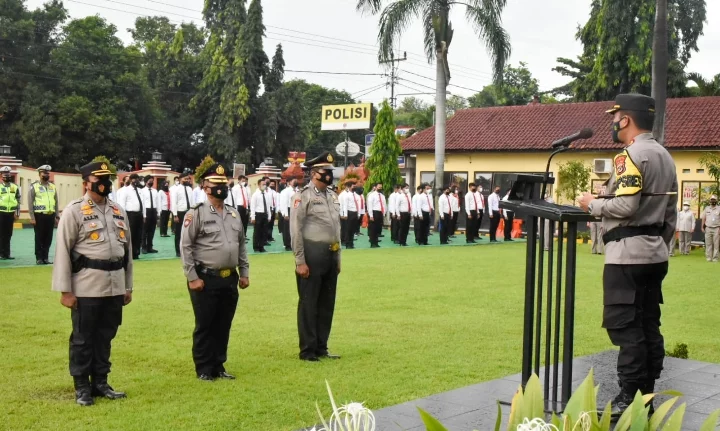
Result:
<point x="330" y="36"/>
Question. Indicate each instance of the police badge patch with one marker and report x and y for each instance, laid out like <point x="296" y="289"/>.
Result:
<point x="620" y="164"/>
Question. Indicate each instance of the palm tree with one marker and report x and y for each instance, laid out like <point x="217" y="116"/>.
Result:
<point x="484" y="15"/>
<point x="660" y="64"/>
<point x="706" y="88"/>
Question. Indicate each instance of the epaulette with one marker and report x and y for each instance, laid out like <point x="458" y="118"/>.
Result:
<point x="198" y="205"/>
<point x="77" y="201"/>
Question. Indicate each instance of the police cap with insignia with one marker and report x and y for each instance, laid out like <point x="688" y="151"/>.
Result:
<point x="215" y="174"/>
<point x="5" y="170"/>
<point x="633" y="102"/>
<point x="322" y="161"/>
<point x="98" y="169"/>
<point x="46" y="168"/>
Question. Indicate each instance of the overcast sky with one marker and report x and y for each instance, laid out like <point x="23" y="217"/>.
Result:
<point x="329" y="35"/>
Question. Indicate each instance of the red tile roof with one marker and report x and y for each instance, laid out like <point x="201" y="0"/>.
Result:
<point x="691" y="123"/>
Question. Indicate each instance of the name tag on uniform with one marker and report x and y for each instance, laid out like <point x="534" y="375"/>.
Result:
<point x="41" y="188"/>
<point x="317" y="202"/>
<point x="91" y="217"/>
<point x="118" y="217"/>
<point x="209" y="221"/>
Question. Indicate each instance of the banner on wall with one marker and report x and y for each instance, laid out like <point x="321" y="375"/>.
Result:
<point x="691" y="194"/>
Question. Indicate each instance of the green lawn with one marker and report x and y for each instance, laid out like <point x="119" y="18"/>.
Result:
<point x="409" y="323"/>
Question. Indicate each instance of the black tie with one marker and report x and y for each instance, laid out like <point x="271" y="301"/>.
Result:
<point x="152" y="205"/>
<point x="187" y="200"/>
<point x="264" y="202"/>
<point x="139" y="200"/>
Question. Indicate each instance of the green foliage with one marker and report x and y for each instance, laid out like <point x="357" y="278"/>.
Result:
<point x="711" y="162"/>
<point x="518" y="88"/>
<point x="202" y="167"/>
<point x="573" y="178"/>
<point x="431" y="424"/>
<point x="617" y="48"/>
<point x="415" y="113"/>
<point x="679" y="351"/>
<point x="382" y="162"/>
<point x="705" y="87"/>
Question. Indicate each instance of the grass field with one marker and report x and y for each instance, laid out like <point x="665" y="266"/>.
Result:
<point x="408" y="322"/>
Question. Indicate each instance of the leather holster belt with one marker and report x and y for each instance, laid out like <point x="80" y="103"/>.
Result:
<point x="630" y="231"/>
<point x="222" y="273"/>
<point x="102" y="265"/>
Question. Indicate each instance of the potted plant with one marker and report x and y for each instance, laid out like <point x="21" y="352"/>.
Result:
<point x="585" y="236"/>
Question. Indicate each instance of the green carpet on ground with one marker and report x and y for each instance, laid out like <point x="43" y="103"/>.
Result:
<point x="409" y="323"/>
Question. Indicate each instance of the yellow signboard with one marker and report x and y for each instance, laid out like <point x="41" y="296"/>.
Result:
<point x="346" y="117"/>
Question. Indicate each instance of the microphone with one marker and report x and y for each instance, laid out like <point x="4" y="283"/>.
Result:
<point x="566" y="141"/>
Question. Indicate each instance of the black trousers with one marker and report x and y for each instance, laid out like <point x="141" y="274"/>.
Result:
<point x="359" y="225"/>
<point x="244" y="217"/>
<point x="403" y="227"/>
<point x="164" y="219"/>
<point x="494" y="223"/>
<point x="445" y="226"/>
<point x="286" y="231"/>
<point x="509" y="225"/>
<point x="453" y="224"/>
<point x="632" y="295"/>
<point x="178" y="230"/>
<point x="316" y="303"/>
<point x="44" y="226"/>
<point x="214" y="309"/>
<point x="429" y="221"/>
<point x="7" y="219"/>
<point x="136" y="231"/>
<point x="343" y="230"/>
<point x="375" y="227"/>
<point x="471" y="228"/>
<point x="260" y="231"/>
<point x="394" y="226"/>
<point x="478" y="223"/>
<point x="353" y="222"/>
<point x="270" y="225"/>
<point x="149" y="230"/>
<point x="416" y="229"/>
<point x="423" y="228"/>
<point x="95" y="323"/>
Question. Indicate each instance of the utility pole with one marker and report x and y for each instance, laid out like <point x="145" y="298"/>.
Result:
<point x="393" y="75"/>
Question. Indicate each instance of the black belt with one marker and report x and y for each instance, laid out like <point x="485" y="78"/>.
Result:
<point x="630" y="231"/>
<point x="102" y="265"/>
<point x="222" y="273"/>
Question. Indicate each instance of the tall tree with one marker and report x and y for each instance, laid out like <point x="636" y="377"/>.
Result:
<point x="518" y="88"/>
<point x="274" y="79"/>
<point x="382" y="162"/>
<point x="705" y="87"/>
<point x="484" y="15"/>
<point x="660" y="68"/>
<point x="618" y="46"/>
<point x="223" y="94"/>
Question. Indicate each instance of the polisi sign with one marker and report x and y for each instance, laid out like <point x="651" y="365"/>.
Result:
<point x="346" y="117"/>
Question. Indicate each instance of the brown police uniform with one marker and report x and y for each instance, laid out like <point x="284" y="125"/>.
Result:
<point x="315" y="225"/>
<point x="93" y="261"/>
<point x="212" y="249"/>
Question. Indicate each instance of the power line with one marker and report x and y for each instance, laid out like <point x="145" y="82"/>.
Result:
<point x="376" y="87"/>
<point x="453" y="85"/>
<point x="367" y="92"/>
<point x="417" y="83"/>
<point x="335" y="73"/>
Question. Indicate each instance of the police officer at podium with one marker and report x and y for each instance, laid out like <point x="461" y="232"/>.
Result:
<point x="639" y="221"/>
<point x="213" y="250"/>
<point x="315" y="226"/>
<point x="93" y="271"/>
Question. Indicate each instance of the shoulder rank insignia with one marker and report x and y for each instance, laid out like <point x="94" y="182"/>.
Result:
<point x="297" y="203"/>
<point x="90" y="202"/>
<point x="188" y="219"/>
<point x="85" y="207"/>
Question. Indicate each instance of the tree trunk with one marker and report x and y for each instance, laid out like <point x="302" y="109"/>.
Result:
<point x="440" y="119"/>
<point x="660" y="69"/>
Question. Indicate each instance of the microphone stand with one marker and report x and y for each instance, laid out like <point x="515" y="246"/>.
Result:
<point x="547" y="169"/>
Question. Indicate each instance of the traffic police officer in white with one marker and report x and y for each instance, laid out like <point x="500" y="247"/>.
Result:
<point x="213" y="250"/>
<point x="315" y="224"/>
<point x="93" y="270"/>
<point x="42" y="205"/>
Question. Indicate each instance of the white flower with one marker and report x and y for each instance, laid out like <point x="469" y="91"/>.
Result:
<point x="350" y="417"/>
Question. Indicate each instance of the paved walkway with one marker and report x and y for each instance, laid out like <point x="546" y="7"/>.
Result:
<point x="23" y="245"/>
<point x="475" y="407"/>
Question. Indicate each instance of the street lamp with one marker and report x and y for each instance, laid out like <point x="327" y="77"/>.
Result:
<point x="4" y="150"/>
<point x="268" y="161"/>
<point x="157" y="156"/>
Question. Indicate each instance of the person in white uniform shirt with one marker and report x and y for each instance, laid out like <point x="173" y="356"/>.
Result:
<point x="343" y="218"/>
<point x="392" y="209"/>
<point x="259" y="211"/>
<point x="509" y="217"/>
<point x="349" y="213"/>
<point x="181" y="200"/>
<point x="403" y="213"/>
<point x="360" y="192"/>
<point x="199" y="194"/>
<point x="455" y="205"/>
<point x="446" y="214"/>
<point x="151" y="202"/>
<point x="494" y="213"/>
<point x="473" y="207"/>
<point x="230" y="200"/>
<point x="416" y="212"/>
<point x="425" y="209"/>
<point x="164" y="209"/>
<point x="241" y="191"/>
<point x="685" y="228"/>
<point x="284" y="202"/>
<point x="131" y="201"/>
<point x="482" y="211"/>
<point x="377" y="208"/>
<point x="272" y="192"/>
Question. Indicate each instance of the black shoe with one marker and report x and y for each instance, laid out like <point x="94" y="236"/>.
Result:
<point x="621" y="403"/>
<point x="470" y="242"/>
<point x="288" y="248"/>
<point x="177" y="254"/>
<point x="262" y="250"/>
<point x="374" y="246"/>
<point x="403" y="245"/>
<point x="206" y="377"/>
<point x="349" y="247"/>
<point x="329" y="356"/>
<point x="101" y="388"/>
<point x="224" y="375"/>
<point x="47" y="262"/>
<point x="152" y="250"/>
<point x="272" y="240"/>
<point x="9" y="258"/>
<point x="83" y="393"/>
<point x="310" y="359"/>
<point x="509" y="240"/>
<point x="40" y="262"/>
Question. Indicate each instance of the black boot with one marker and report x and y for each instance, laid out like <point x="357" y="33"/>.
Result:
<point x="622" y="401"/>
<point x="649" y="388"/>
<point x="82" y="391"/>
<point x="101" y="388"/>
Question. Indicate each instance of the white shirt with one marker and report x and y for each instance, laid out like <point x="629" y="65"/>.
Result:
<point x="199" y="195"/>
<point x="425" y="203"/>
<point x="178" y="202"/>
<point x="341" y="198"/>
<point x="376" y="202"/>
<point x="505" y="199"/>
<point x="242" y="196"/>
<point x="445" y="204"/>
<point x="285" y="200"/>
<point x="685" y="221"/>
<point x="392" y="202"/>
<point x="273" y="195"/>
<point x="148" y="194"/>
<point x="454" y="202"/>
<point x="128" y="199"/>
<point x="494" y="202"/>
<point x="403" y="204"/>
<point x="473" y="202"/>
<point x="230" y="200"/>
<point x="350" y="203"/>
<point x="164" y="201"/>
<point x="361" y="200"/>
<point x="256" y="204"/>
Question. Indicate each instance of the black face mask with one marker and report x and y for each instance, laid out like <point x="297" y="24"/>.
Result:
<point x="358" y="191"/>
<point x="45" y="177"/>
<point x="166" y="188"/>
<point x="447" y="192"/>
<point x="326" y="178"/>
<point x="7" y="179"/>
<point x="713" y="203"/>
<point x="616" y="132"/>
<point x="102" y="187"/>
<point x="220" y="191"/>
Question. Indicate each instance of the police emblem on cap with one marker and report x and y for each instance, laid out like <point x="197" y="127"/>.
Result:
<point x="220" y="170"/>
<point x="103" y="166"/>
